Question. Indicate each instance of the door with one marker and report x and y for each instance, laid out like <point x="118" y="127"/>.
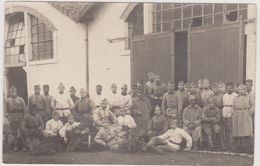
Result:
<point x="152" y="53"/>
<point x="216" y="53"/>
<point x="16" y="77"/>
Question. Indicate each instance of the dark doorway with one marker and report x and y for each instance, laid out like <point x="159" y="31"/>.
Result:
<point x="181" y="43"/>
<point x="17" y="77"/>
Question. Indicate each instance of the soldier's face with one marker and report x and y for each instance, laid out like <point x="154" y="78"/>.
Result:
<point x="200" y="85"/>
<point x="104" y="105"/>
<point x="105" y="125"/>
<point x="157" y="112"/>
<point x="173" y="126"/>
<point x="192" y="102"/>
<point x="71" y="120"/>
<point x="170" y="88"/>
<point x="37" y="91"/>
<point x="83" y="94"/>
<point x="13" y="93"/>
<point x="248" y="86"/>
<point x="181" y="86"/>
<point x="98" y="90"/>
<point x="45" y="89"/>
<point x="124" y="90"/>
<point x="114" y="89"/>
<point x="55" y="117"/>
<point x="61" y="90"/>
<point x="72" y="92"/>
<point x="206" y="84"/>
<point x="33" y="111"/>
<point x="229" y="89"/>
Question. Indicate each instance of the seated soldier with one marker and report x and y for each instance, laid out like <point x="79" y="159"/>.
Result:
<point x="125" y="120"/>
<point x="192" y="121"/>
<point x="210" y="122"/>
<point x="102" y="114"/>
<point x="32" y="127"/>
<point x="155" y="126"/>
<point x="170" y="141"/>
<point x="109" y="136"/>
<point x="8" y="138"/>
<point x="171" y="114"/>
<point x="52" y="141"/>
<point x="73" y="133"/>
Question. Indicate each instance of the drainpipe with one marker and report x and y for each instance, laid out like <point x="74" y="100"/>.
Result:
<point x="87" y="58"/>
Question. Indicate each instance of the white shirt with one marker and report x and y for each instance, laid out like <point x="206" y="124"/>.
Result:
<point x="177" y="135"/>
<point x="61" y="101"/>
<point x="98" y="99"/>
<point x="228" y="101"/>
<point x="68" y="127"/>
<point x="125" y="101"/>
<point x="127" y="120"/>
<point x="113" y="99"/>
<point x="53" y="126"/>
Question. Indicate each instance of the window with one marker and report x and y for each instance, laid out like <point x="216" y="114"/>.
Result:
<point x="136" y="21"/>
<point x="41" y="39"/>
<point x="180" y="16"/>
<point x="15" y="40"/>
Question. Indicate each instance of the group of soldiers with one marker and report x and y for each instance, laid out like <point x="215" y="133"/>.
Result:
<point x="153" y="114"/>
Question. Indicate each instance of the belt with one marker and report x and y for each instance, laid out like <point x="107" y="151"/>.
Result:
<point x="174" y="142"/>
<point x="241" y="108"/>
<point x="227" y="105"/>
<point x="62" y="108"/>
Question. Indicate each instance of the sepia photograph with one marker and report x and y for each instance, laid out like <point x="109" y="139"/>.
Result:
<point x="129" y="83"/>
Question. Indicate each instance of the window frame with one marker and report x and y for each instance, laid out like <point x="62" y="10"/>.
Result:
<point x="158" y="9"/>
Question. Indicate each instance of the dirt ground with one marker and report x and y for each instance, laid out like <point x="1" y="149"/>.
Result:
<point x="110" y="157"/>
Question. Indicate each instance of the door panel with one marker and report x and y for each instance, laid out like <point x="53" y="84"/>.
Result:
<point x="216" y="53"/>
<point x="153" y="52"/>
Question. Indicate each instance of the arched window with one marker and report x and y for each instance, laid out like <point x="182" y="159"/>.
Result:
<point x="29" y="37"/>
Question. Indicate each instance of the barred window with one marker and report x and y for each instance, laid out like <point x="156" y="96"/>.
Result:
<point x="167" y="16"/>
<point x="41" y="40"/>
<point x="15" y="39"/>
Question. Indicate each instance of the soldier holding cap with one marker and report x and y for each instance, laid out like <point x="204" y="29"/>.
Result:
<point x="125" y="100"/>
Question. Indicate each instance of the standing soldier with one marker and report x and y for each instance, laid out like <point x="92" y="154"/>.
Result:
<point x="159" y="89"/>
<point x="113" y="98"/>
<point x="192" y="121"/>
<point x="251" y="95"/>
<point x="15" y="110"/>
<point x="73" y="96"/>
<point x="82" y="106"/>
<point x="170" y="102"/>
<point x="149" y="84"/>
<point x="206" y="93"/>
<point x="242" y="120"/>
<point x="47" y="98"/>
<point x="38" y="100"/>
<point x="218" y="95"/>
<point x="99" y="96"/>
<point x="211" y="123"/>
<point x="125" y="100"/>
<point x="182" y="100"/>
<point x="141" y="113"/>
<point x="228" y="100"/>
<point x="62" y="103"/>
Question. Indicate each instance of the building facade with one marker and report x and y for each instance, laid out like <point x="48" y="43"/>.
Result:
<point x="84" y="44"/>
